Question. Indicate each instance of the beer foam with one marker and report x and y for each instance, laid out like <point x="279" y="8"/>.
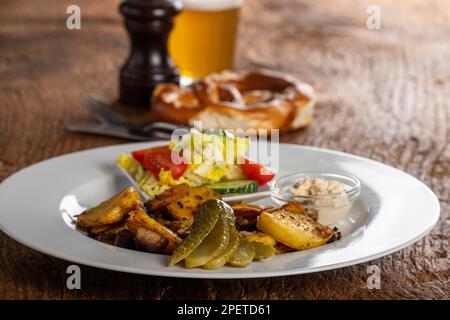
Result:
<point x="211" y="5"/>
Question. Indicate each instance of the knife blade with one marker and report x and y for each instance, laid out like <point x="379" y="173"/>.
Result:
<point x="115" y="131"/>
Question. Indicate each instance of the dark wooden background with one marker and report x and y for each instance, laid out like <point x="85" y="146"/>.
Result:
<point x="384" y="94"/>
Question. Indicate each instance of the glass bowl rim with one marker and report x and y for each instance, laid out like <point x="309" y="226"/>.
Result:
<point x="351" y="193"/>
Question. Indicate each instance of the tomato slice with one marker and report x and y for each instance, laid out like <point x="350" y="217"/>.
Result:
<point x="256" y="171"/>
<point x="159" y="158"/>
<point x="138" y="155"/>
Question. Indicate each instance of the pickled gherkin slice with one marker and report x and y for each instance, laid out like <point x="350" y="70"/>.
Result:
<point x="222" y="258"/>
<point x="263" y="251"/>
<point x="212" y="245"/>
<point x="204" y="222"/>
<point x="244" y="254"/>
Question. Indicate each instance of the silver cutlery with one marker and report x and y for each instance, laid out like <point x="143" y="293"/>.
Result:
<point x="111" y="123"/>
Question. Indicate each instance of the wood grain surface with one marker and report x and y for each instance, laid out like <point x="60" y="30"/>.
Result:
<point x="384" y="94"/>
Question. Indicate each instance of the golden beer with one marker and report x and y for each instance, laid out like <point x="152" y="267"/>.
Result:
<point x="204" y="36"/>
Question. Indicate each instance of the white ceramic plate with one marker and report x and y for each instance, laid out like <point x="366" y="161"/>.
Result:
<point x="36" y="205"/>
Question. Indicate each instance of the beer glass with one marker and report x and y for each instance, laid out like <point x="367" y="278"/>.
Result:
<point x="204" y="36"/>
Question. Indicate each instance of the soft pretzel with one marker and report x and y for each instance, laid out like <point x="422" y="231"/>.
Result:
<point x="255" y="100"/>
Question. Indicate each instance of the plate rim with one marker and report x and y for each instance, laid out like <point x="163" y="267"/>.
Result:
<point x="235" y="275"/>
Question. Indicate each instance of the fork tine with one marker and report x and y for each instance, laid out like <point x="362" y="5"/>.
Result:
<point x="106" y="111"/>
<point x="106" y="115"/>
<point x="102" y="111"/>
<point x="166" y="126"/>
<point x="85" y="102"/>
<point x="161" y="126"/>
<point x="161" y="135"/>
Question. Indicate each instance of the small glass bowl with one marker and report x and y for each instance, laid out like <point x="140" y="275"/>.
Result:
<point x="328" y="209"/>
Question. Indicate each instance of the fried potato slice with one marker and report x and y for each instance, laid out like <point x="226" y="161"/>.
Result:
<point x="140" y="219"/>
<point x="168" y="196"/>
<point x="260" y="237"/>
<point x="108" y="228"/>
<point x="186" y="206"/>
<point x="298" y="208"/>
<point x="246" y="210"/>
<point x="99" y="229"/>
<point x="264" y="244"/>
<point x="246" y="215"/>
<point x="180" y="227"/>
<point x="294" y="229"/>
<point x="292" y="207"/>
<point x="282" y="248"/>
<point x="263" y="251"/>
<point x="110" y="211"/>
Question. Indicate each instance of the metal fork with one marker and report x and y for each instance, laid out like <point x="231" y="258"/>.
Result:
<point x="111" y="123"/>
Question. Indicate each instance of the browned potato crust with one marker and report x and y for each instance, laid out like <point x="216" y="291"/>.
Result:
<point x="182" y="201"/>
<point x="281" y="248"/>
<point x="99" y="229"/>
<point x="246" y="215"/>
<point x="294" y="229"/>
<point x="292" y="207"/>
<point x="181" y="227"/>
<point x="108" y="229"/>
<point x="110" y="211"/>
<point x="186" y="206"/>
<point x="246" y="210"/>
<point x="168" y="196"/>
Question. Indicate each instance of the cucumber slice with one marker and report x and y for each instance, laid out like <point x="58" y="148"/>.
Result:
<point x="263" y="251"/>
<point x="204" y="222"/>
<point x="234" y="187"/>
<point x="243" y="255"/>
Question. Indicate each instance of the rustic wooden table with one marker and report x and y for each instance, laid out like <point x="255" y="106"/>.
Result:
<point x="383" y="95"/>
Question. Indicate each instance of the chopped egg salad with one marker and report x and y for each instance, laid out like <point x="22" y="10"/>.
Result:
<point x="214" y="158"/>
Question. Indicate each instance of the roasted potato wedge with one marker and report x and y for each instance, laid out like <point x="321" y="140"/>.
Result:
<point x="294" y="229"/>
<point x="168" y="196"/>
<point x="182" y="201"/>
<point x="186" y="206"/>
<point x="140" y="219"/>
<point x="110" y="211"/>
<point x="180" y="227"/>
<point x="100" y="229"/>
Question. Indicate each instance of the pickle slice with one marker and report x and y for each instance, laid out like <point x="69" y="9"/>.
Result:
<point x="211" y="246"/>
<point x="222" y="258"/>
<point x="204" y="221"/>
<point x="244" y="254"/>
<point x="263" y="251"/>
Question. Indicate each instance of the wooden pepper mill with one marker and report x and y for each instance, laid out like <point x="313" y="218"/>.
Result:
<point x="148" y="23"/>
